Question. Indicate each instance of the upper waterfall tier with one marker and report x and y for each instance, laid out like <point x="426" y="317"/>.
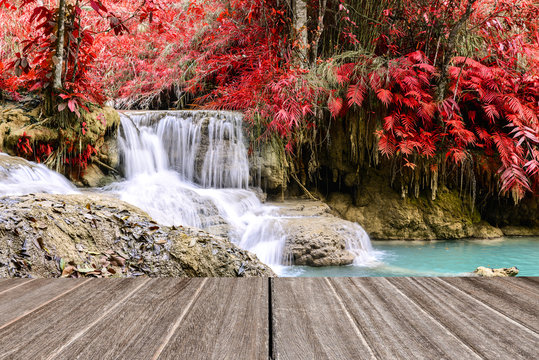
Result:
<point x="204" y="147"/>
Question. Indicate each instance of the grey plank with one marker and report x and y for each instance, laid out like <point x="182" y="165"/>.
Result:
<point x="310" y="322"/>
<point x="28" y="297"/>
<point x="528" y="285"/>
<point x="229" y="320"/>
<point x="134" y="329"/>
<point x="488" y="332"/>
<point x="50" y="327"/>
<point x="394" y="326"/>
<point x="504" y="296"/>
<point x="10" y="284"/>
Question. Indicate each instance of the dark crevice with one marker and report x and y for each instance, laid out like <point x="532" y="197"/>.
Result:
<point x="271" y="355"/>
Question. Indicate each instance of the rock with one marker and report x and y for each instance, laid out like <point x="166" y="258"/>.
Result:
<point x="315" y="237"/>
<point x="503" y="272"/>
<point x="520" y="219"/>
<point x="268" y="167"/>
<point x="95" y="177"/>
<point x="96" y="235"/>
<point x="101" y="127"/>
<point x="484" y="230"/>
<point x="520" y="230"/>
<point x="386" y="215"/>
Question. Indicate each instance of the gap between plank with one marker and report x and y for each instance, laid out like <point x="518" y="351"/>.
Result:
<point x="105" y="313"/>
<point x="270" y="320"/>
<point x="16" y="286"/>
<point x="178" y="321"/>
<point x="349" y="316"/>
<point x="488" y="307"/>
<point x="40" y="306"/>
<point x="449" y="332"/>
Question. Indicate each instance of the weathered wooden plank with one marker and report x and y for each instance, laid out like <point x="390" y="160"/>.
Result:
<point x="506" y="297"/>
<point x="229" y="320"/>
<point x="529" y="285"/>
<point x="488" y="332"/>
<point x="134" y="329"/>
<point x="393" y="325"/>
<point x="10" y="284"/>
<point x="52" y="326"/>
<point x="28" y="297"/>
<point x="310" y="322"/>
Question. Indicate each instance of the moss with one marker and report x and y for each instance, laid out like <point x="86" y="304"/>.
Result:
<point x="93" y="128"/>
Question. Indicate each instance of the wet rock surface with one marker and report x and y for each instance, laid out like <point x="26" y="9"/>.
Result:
<point x="386" y="216"/>
<point x="95" y="235"/>
<point x="268" y="167"/>
<point x="315" y="237"/>
<point x="101" y="128"/>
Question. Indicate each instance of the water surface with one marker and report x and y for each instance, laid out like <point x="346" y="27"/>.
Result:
<point x="437" y="258"/>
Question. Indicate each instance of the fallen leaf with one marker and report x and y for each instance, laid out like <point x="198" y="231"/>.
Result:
<point x="68" y="271"/>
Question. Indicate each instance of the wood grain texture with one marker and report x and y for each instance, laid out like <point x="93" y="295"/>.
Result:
<point x="488" y="332"/>
<point x="528" y="285"/>
<point x="507" y="297"/>
<point x="311" y="323"/>
<point x="229" y="320"/>
<point x="394" y="326"/>
<point x="24" y="299"/>
<point x="50" y="327"/>
<point x="7" y="285"/>
<point x="309" y="318"/>
<point x="135" y="328"/>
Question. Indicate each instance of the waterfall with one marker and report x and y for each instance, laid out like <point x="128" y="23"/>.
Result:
<point x="20" y="177"/>
<point x="191" y="168"/>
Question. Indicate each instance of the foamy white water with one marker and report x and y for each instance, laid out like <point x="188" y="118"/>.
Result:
<point x="191" y="168"/>
<point x="20" y="177"/>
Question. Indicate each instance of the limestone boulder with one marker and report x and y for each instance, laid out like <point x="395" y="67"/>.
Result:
<point x="502" y="272"/>
<point x="95" y="235"/>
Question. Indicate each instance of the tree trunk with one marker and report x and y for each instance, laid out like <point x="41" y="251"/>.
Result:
<point x="300" y="27"/>
<point x="450" y="49"/>
<point x="59" y="56"/>
<point x="322" y="5"/>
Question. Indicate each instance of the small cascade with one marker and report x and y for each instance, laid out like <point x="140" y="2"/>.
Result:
<point x="191" y="168"/>
<point x="357" y="242"/>
<point x="20" y="177"/>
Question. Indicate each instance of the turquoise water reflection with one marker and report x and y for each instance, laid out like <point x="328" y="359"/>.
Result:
<point x="437" y="258"/>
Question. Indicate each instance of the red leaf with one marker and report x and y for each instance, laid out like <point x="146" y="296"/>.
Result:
<point x="335" y="106"/>
<point x="355" y="94"/>
<point x="385" y="96"/>
<point x="72" y="104"/>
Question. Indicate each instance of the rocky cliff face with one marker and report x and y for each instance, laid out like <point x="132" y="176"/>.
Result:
<point x="385" y="215"/>
<point x="101" y="128"/>
<point x="92" y="235"/>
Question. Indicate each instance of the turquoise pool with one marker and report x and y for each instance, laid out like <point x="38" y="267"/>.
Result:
<point x="437" y="258"/>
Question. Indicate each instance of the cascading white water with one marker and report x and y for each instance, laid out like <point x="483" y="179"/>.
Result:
<point x="191" y="168"/>
<point x="20" y="177"/>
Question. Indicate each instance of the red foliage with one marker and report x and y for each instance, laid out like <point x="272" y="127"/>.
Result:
<point x="240" y="56"/>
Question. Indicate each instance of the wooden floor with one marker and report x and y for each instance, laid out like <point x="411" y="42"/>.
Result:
<point x="285" y="318"/>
